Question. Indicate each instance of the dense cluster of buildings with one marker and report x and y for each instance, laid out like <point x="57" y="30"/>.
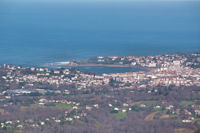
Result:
<point x="173" y="73"/>
<point x="148" y="61"/>
<point x="170" y="72"/>
<point x="163" y="70"/>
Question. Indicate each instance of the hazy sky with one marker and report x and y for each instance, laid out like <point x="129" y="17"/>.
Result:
<point x="99" y="0"/>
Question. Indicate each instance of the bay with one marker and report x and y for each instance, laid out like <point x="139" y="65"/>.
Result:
<point x="36" y="33"/>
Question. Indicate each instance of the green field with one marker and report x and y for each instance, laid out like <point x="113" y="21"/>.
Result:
<point x="59" y="106"/>
<point x="151" y="116"/>
<point x="149" y="102"/>
<point x="183" y="130"/>
<point x="120" y="115"/>
<point x="64" y="106"/>
<point x="187" y="103"/>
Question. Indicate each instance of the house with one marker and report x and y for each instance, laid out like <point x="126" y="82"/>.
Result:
<point x="77" y="117"/>
<point x="142" y="105"/>
<point x="9" y="122"/>
<point x="125" y="105"/>
<point x="2" y="125"/>
<point x="96" y="105"/>
<point x="157" y="107"/>
<point x="186" y="121"/>
<point x="20" y="126"/>
<point x="56" y="72"/>
<point x="67" y="92"/>
<point x="75" y="107"/>
<point x="88" y="107"/>
<point x="32" y="69"/>
<point x="152" y="64"/>
<point x="123" y="110"/>
<point x="197" y="111"/>
<point x="57" y="121"/>
<point x="42" y="123"/>
<point x="43" y="100"/>
<point x="69" y="119"/>
<point x="35" y="125"/>
<point x="117" y="109"/>
<point x="110" y="105"/>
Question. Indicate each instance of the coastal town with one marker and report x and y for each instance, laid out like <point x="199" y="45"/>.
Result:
<point x="168" y="89"/>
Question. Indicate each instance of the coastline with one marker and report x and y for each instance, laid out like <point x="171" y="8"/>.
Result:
<point x="98" y="65"/>
<point x="91" y="65"/>
<point x="103" y="68"/>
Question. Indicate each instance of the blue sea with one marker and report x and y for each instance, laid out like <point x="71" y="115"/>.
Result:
<point x="33" y="33"/>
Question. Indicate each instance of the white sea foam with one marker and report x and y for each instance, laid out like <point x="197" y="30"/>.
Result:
<point x="62" y="63"/>
<point x="57" y="63"/>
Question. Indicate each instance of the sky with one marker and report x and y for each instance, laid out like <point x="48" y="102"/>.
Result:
<point x="98" y="0"/>
<point x="92" y="1"/>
